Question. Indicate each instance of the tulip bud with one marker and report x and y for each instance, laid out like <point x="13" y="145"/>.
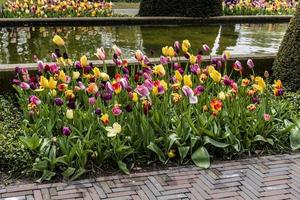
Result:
<point x="250" y="64"/>
<point x="70" y="114"/>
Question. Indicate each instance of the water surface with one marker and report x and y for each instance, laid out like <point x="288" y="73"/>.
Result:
<point x="20" y="44"/>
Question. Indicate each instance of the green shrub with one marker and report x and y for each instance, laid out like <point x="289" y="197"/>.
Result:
<point x="187" y="8"/>
<point x="287" y="63"/>
<point x="13" y="155"/>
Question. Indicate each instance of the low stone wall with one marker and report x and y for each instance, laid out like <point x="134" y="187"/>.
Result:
<point x="262" y="62"/>
<point x="107" y="21"/>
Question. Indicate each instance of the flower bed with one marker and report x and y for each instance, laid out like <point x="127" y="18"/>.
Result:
<point x="259" y="7"/>
<point x="56" y="8"/>
<point x="78" y="116"/>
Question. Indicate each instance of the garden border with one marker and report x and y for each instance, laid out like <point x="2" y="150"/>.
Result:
<point x="110" y="63"/>
<point x="89" y="21"/>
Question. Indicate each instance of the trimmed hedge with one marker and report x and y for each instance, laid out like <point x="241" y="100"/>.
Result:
<point x="183" y="8"/>
<point x="287" y="64"/>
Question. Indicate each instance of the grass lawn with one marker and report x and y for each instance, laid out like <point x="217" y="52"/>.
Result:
<point x="123" y="5"/>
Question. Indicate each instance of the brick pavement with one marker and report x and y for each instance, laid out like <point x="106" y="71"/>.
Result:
<point x="271" y="177"/>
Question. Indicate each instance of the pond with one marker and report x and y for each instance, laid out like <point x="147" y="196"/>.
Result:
<point x="21" y="44"/>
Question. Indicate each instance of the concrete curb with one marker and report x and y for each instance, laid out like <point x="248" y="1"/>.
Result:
<point x="89" y="21"/>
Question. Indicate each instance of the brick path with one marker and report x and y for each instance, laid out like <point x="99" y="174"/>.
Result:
<point x="271" y="177"/>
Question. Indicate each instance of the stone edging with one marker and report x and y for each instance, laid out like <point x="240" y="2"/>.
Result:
<point x="89" y="21"/>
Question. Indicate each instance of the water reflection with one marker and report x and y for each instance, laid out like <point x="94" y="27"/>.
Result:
<point x="19" y="45"/>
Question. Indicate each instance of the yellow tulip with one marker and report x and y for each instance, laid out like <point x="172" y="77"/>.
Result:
<point x="178" y="76"/>
<point x="44" y="82"/>
<point x="164" y="51"/>
<point x="193" y="59"/>
<point x="135" y="97"/>
<point x="58" y="40"/>
<point x="104" y="76"/>
<point x="187" y="80"/>
<point x="260" y="84"/>
<point x="76" y="75"/>
<point x="70" y="114"/>
<point x="52" y="83"/>
<point x="97" y="72"/>
<point x="159" y="70"/>
<point x="171" y="52"/>
<point x="84" y="61"/>
<point x="164" y="84"/>
<point x="215" y="75"/>
<point x="62" y="76"/>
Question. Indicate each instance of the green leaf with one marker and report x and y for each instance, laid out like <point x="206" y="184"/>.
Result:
<point x="295" y="138"/>
<point x="32" y="142"/>
<point x="47" y="176"/>
<point x="172" y="138"/>
<point x="183" y="151"/>
<point x="40" y="165"/>
<point x="68" y="172"/>
<point x="214" y="142"/>
<point x="201" y="158"/>
<point x="78" y="173"/>
<point x="123" y="167"/>
<point x="153" y="147"/>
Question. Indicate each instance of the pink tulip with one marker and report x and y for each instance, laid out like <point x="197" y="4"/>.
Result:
<point x="148" y="83"/>
<point x="116" y="110"/>
<point x="35" y="100"/>
<point x="25" y="86"/>
<point x="100" y="54"/>
<point x="117" y="50"/>
<point x="206" y="47"/>
<point x="250" y="63"/>
<point x="142" y="90"/>
<point x="188" y="92"/>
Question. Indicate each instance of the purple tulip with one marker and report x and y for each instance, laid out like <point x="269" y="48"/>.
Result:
<point x="92" y="101"/>
<point x="98" y="111"/>
<point x="238" y="65"/>
<point x="106" y="96"/>
<point x="78" y="65"/>
<point x="66" y="131"/>
<point x="54" y="68"/>
<point x="142" y="90"/>
<point x="195" y="69"/>
<point x="40" y="65"/>
<point x="58" y="101"/>
<point x="256" y="100"/>
<point x="71" y="104"/>
<point x="125" y="70"/>
<point x="163" y="60"/>
<point x="176" y="46"/>
<point x="124" y="82"/>
<point x="16" y="81"/>
<point x="129" y="108"/>
<point x="148" y="83"/>
<point x="250" y="63"/>
<point x="176" y="66"/>
<point x="18" y="70"/>
<point x="198" y="90"/>
<point x="81" y="85"/>
<point x="109" y="87"/>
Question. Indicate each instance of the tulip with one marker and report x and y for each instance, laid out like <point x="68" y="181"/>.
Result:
<point x="97" y="72"/>
<point x="165" y="51"/>
<point x="251" y="107"/>
<point x="92" y="88"/>
<point x="70" y="114"/>
<point x="147" y="106"/>
<point x="75" y="75"/>
<point x="188" y="92"/>
<point x="216" y="105"/>
<point x="98" y="111"/>
<point x="177" y="46"/>
<point x="35" y="100"/>
<point x="104" y="76"/>
<point x="195" y="69"/>
<point x="260" y="84"/>
<point x="52" y="83"/>
<point x="24" y="86"/>
<point x="226" y="55"/>
<point x="187" y="80"/>
<point x="114" y="130"/>
<point x="171" y="52"/>
<point x="134" y="97"/>
<point x="117" y="50"/>
<point x="92" y="101"/>
<point x="159" y="70"/>
<point x="105" y="119"/>
<point x="54" y="68"/>
<point x="142" y="90"/>
<point x="198" y="90"/>
<point x="185" y="46"/>
<point x="215" y="75"/>
<point x="124" y="83"/>
<point x="237" y="66"/>
<point x="193" y="59"/>
<point x="62" y="87"/>
<point x="84" y="61"/>
<point x="58" y="101"/>
<point x="178" y="76"/>
<point x="250" y="64"/>
<point x="58" y="40"/>
<point x="171" y="153"/>
<point x="100" y="54"/>
<point x="44" y="83"/>
<point x="117" y="87"/>
<point x="139" y="55"/>
<point x="163" y="60"/>
<point x="245" y="82"/>
<point x="267" y="117"/>
<point x="40" y="66"/>
<point x="206" y="48"/>
<point x="66" y="131"/>
<point x="116" y="110"/>
<point x="148" y="83"/>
